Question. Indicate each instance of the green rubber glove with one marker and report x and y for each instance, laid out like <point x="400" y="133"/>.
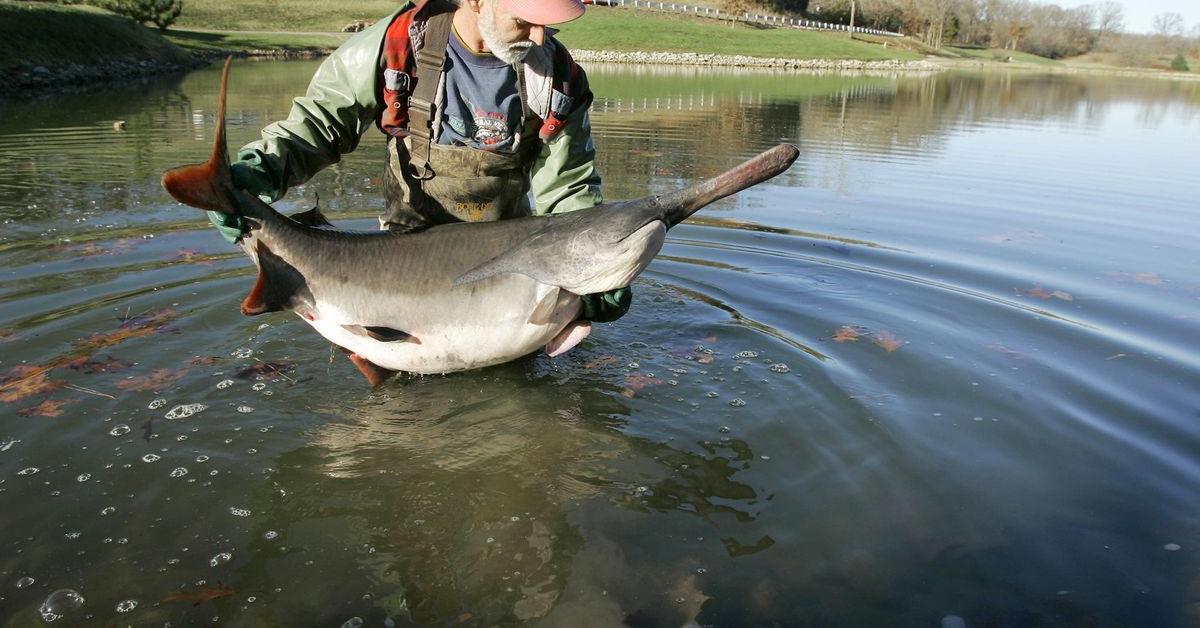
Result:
<point x="232" y="227"/>
<point x="605" y="307"/>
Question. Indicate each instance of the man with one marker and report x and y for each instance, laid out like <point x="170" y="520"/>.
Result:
<point x="482" y="108"/>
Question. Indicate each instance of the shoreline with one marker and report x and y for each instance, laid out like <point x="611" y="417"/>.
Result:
<point x="42" y="80"/>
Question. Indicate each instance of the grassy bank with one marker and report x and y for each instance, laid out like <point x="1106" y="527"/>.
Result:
<point x="221" y="42"/>
<point x="601" y="28"/>
<point x="632" y="30"/>
<point x="45" y="34"/>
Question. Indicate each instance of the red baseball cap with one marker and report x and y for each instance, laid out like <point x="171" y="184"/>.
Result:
<point x="543" y="12"/>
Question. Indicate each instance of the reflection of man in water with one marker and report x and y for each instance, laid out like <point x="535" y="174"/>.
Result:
<point x="504" y="506"/>
<point x="485" y="114"/>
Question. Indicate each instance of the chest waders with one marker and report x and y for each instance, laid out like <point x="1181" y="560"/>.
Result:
<point x="426" y="183"/>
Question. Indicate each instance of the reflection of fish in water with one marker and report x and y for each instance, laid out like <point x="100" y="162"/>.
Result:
<point x="451" y="297"/>
<point x="148" y="429"/>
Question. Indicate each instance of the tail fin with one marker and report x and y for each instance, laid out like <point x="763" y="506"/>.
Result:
<point x="208" y="185"/>
<point x="677" y="206"/>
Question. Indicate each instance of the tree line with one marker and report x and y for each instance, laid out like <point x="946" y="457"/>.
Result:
<point x="1040" y="28"/>
<point x="160" y="13"/>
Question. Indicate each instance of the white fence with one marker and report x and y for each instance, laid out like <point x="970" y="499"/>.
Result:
<point x="773" y="20"/>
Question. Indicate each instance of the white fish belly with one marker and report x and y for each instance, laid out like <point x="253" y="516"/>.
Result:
<point x="455" y="330"/>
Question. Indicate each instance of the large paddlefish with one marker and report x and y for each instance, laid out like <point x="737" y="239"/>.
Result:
<point x="451" y="297"/>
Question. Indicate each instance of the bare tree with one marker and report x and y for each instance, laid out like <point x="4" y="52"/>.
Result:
<point x="1109" y="21"/>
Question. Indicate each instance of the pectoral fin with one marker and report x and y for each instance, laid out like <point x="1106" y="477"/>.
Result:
<point x="382" y="334"/>
<point x="374" y="373"/>
<point x="566" y="339"/>
<point x="547" y="297"/>
<point x="279" y="285"/>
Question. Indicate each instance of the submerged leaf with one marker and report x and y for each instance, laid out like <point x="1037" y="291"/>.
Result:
<point x="24" y="381"/>
<point x="203" y="593"/>
<point x="191" y="256"/>
<point x="91" y="367"/>
<point x="1145" y="278"/>
<point x="136" y="327"/>
<point x="205" y="360"/>
<point x="1039" y="292"/>
<point x="887" y="340"/>
<point x="848" y="333"/>
<point x="158" y="379"/>
<point x="273" y="369"/>
<point x="47" y="408"/>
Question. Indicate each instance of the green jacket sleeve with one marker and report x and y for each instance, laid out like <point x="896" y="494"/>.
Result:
<point x="327" y="122"/>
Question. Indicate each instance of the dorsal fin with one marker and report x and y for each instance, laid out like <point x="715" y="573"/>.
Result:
<point x="312" y="217"/>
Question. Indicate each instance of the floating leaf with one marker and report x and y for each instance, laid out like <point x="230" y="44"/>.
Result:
<point x="24" y="381"/>
<point x="1041" y="293"/>
<point x="203" y="593"/>
<point x="849" y="333"/>
<point x="158" y="379"/>
<point x="887" y="340"/>
<point x="47" y="408"/>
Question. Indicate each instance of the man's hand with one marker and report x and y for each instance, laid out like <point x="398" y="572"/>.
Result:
<point x="605" y="307"/>
<point x="232" y="227"/>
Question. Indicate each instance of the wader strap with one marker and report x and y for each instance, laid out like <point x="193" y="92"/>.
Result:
<point x="430" y="59"/>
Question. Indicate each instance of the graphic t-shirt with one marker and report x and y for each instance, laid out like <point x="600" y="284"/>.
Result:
<point x="482" y="108"/>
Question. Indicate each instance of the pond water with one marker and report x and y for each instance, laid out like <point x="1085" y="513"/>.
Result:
<point x="942" y="372"/>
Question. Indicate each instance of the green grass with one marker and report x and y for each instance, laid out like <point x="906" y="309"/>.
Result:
<point x="630" y="30"/>
<point x="230" y="41"/>
<point x="42" y="33"/>
<point x="601" y="28"/>
<point x="281" y="15"/>
<point x="999" y="54"/>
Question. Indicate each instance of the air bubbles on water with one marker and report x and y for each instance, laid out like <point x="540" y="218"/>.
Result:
<point x="1172" y="547"/>
<point x="745" y="355"/>
<point x="184" y="411"/>
<point x="242" y="352"/>
<point x="225" y="383"/>
<point x="239" y="512"/>
<point x="24" y="582"/>
<point x="72" y="535"/>
<point x="28" y="471"/>
<point x="270" y="535"/>
<point x="151" y="458"/>
<point x="60" y="603"/>
<point x="712" y="394"/>
<point x="353" y="622"/>
<point x="202" y="458"/>
<point x="737" y="403"/>
<point x="178" y="472"/>
<point x="108" y="510"/>
<point x="258" y="386"/>
<point x="220" y="559"/>
<point x="245" y="409"/>
<point x="780" y="368"/>
<point x="124" y="606"/>
<point x="157" y="403"/>
<point x="119" y="430"/>
<point x="83" y="477"/>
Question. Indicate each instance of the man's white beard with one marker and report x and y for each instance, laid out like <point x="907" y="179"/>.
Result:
<point x="509" y="53"/>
